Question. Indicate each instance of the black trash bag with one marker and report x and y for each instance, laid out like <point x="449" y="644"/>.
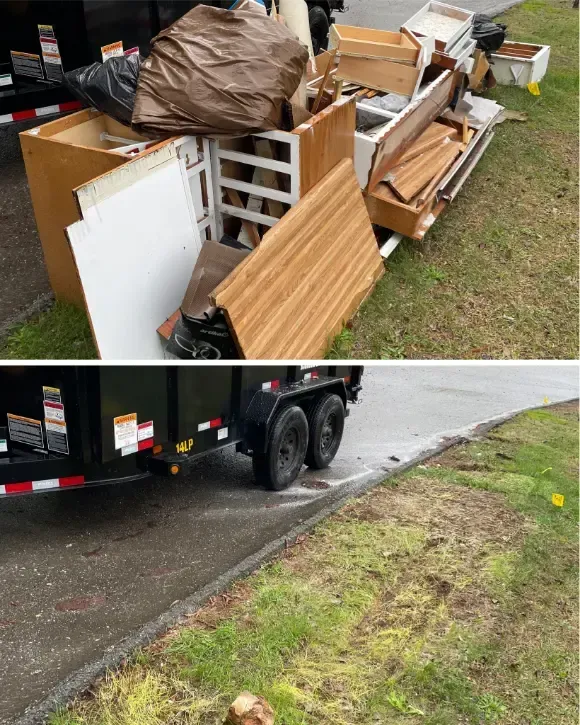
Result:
<point x="489" y="35"/>
<point x="109" y="87"/>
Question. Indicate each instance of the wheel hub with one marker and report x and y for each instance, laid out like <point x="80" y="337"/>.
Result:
<point x="288" y="449"/>
<point x="328" y="432"/>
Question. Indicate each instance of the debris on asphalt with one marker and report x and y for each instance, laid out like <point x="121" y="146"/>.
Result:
<point x="236" y="131"/>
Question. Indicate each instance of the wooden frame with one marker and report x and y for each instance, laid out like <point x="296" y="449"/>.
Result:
<point x="442" y="44"/>
<point x="367" y="43"/>
<point x="313" y="149"/>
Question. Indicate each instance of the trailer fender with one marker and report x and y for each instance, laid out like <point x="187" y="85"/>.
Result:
<point x="266" y="403"/>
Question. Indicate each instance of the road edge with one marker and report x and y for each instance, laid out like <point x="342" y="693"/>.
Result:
<point x="78" y="682"/>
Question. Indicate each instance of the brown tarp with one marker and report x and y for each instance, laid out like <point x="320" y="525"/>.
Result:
<point x="218" y="72"/>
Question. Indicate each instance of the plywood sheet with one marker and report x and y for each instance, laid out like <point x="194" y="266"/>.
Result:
<point x="308" y="276"/>
<point x="134" y="250"/>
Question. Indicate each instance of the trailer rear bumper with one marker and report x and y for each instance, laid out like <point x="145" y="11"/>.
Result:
<point x="24" y="473"/>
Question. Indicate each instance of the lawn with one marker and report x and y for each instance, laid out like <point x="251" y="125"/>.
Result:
<point x="497" y="275"/>
<point x="447" y="595"/>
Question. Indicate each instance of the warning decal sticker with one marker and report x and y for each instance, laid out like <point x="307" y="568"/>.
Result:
<point x="56" y="436"/>
<point x="112" y="50"/>
<point x="145" y="431"/>
<point x="125" y="429"/>
<point x="25" y="430"/>
<point x="52" y="394"/>
<point x="26" y="64"/>
<point x="53" y="411"/>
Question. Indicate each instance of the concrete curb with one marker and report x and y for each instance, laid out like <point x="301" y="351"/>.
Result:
<point x="82" y="679"/>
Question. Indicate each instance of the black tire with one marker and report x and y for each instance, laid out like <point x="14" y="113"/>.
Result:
<point x="319" y="28"/>
<point x="326" y="426"/>
<point x="279" y="466"/>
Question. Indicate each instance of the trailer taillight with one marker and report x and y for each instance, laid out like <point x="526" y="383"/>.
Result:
<point x="156" y="450"/>
<point x="174" y="469"/>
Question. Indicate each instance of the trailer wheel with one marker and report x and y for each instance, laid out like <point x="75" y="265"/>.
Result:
<point x="326" y="426"/>
<point x="279" y="466"/>
<point x="319" y="27"/>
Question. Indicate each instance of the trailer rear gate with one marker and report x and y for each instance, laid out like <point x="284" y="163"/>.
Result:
<point x="113" y="419"/>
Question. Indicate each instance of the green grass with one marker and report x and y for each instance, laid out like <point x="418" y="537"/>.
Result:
<point x="447" y="595"/>
<point x="497" y="275"/>
<point x="61" y="333"/>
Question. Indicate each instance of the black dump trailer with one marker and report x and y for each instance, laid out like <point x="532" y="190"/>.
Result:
<point x="70" y="426"/>
<point x="41" y="40"/>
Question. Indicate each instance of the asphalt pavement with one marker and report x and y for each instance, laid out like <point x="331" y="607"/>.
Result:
<point x="24" y="286"/>
<point x="80" y="570"/>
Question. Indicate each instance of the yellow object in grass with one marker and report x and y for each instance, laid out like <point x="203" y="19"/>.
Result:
<point x="557" y="499"/>
<point x="534" y="89"/>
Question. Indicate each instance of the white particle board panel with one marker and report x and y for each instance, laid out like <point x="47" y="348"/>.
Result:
<point x="135" y="250"/>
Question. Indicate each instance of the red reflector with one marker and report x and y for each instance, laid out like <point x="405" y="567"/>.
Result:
<point x="275" y="384"/>
<point x="215" y="422"/>
<point x="71" y="481"/>
<point x="315" y="375"/>
<point x="19" y="487"/>
<point x="23" y="115"/>
<point x="347" y="379"/>
<point x="143" y="445"/>
<point x="70" y="105"/>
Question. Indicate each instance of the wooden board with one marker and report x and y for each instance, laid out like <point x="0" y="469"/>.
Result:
<point x="53" y="170"/>
<point x="134" y="267"/>
<point x="326" y="139"/>
<point x="383" y="75"/>
<point x="404" y="130"/>
<point x="308" y="276"/>
<point x="408" y="179"/>
<point x="432" y="136"/>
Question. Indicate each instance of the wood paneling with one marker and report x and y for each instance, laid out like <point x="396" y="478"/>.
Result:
<point x="326" y="139"/>
<point x="308" y="276"/>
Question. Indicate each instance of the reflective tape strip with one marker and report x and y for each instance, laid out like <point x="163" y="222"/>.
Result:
<point x="47" y="484"/>
<point x="311" y="376"/>
<point x="39" y="112"/>
<point x="147" y="443"/>
<point x="271" y="385"/>
<point x="215" y="423"/>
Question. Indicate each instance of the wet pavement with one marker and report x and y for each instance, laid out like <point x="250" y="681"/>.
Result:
<point x="22" y="274"/>
<point x="80" y="570"/>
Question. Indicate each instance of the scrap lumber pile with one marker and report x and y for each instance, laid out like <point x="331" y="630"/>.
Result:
<point x="254" y="236"/>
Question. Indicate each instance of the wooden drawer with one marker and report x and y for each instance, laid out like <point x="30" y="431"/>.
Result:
<point x="445" y="22"/>
<point x="386" y="210"/>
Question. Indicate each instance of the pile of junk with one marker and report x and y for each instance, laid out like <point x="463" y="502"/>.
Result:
<point x="233" y="195"/>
